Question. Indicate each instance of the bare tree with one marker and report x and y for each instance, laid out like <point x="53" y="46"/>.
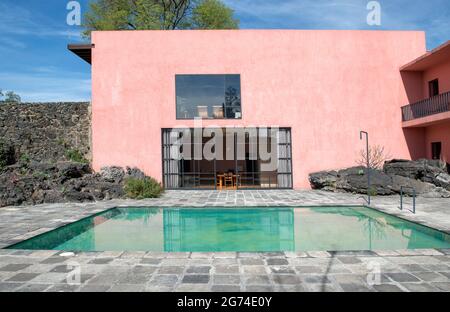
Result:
<point x="377" y="157"/>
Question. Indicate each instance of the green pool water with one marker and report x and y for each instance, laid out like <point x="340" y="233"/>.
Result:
<point x="239" y="229"/>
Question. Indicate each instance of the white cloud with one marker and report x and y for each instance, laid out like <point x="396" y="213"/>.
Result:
<point x="48" y="85"/>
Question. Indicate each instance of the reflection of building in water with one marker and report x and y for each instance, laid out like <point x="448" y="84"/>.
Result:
<point x="228" y="230"/>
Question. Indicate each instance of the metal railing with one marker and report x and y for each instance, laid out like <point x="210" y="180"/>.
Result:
<point x="434" y="105"/>
<point x="414" y="198"/>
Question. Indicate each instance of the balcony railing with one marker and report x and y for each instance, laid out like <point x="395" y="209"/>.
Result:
<point x="435" y="105"/>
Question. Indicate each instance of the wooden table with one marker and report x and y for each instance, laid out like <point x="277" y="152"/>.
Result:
<point x="221" y="178"/>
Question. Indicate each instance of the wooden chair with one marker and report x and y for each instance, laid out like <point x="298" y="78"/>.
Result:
<point x="218" y="111"/>
<point x="229" y="180"/>
<point x="219" y="184"/>
<point x="202" y="111"/>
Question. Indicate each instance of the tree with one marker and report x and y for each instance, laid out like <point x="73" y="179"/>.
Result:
<point x="158" y="14"/>
<point x="9" y="97"/>
<point x="213" y="14"/>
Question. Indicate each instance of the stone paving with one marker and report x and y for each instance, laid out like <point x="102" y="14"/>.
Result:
<point x="400" y="270"/>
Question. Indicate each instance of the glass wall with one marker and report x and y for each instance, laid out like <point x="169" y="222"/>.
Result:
<point x="241" y="161"/>
<point x="208" y="96"/>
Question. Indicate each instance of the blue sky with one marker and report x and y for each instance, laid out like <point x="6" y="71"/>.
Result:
<point x="35" y="63"/>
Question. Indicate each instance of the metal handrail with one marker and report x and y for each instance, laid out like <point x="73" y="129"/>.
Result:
<point x="434" y="105"/>
<point x="414" y="198"/>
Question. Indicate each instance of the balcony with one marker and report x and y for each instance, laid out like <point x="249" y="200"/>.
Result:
<point x="436" y="105"/>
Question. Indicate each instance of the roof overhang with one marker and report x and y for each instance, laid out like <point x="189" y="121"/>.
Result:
<point x="84" y="51"/>
<point x="437" y="56"/>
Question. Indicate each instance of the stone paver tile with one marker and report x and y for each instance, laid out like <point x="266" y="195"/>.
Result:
<point x="254" y="269"/>
<point x="286" y="279"/>
<point x="419" y="287"/>
<point x="276" y="261"/>
<point x="290" y="288"/>
<point x="256" y="279"/>
<point x="174" y="262"/>
<point x="198" y="270"/>
<point x="402" y="277"/>
<point x="195" y="279"/>
<point x="163" y="280"/>
<point x="170" y="270"/>
<point x="226" y="288"/>
<point x="387" y="288"/>
<point x="353" y="287"/>
<point x="431" y="277"/>
<point x="94" y="288"/>
<point x="314" y="279"/>
<point x="150" y="261"/>
<point x="134" y="278"/>
<point x="152" y="288"/>
<point x="226" y="279"/>
<point x="226" y="269"/>
<point x="310" y="269"/>
<point x="63" y="268"/>
<point x="63" y="288"/>
<point x="104" y="279"/>
<point x="22" y="277"/>
<point x="8" y="287"/>
<point x="33" y="287"/>
<point x="258" y="288"/>
<point x="282" y="269"/>
<point x="349" y="260"/>
<point x="53" y="260"/>
<point x="100" y="260"/>
<point x="251" y="261"/>
<point x="143" y="269"/>
<point x="192" y="288"/>
<point x="127" y="288"/>
<point x="13" y="267"/>
<point x="443" y="286"/>
<point x="413" y="268"/>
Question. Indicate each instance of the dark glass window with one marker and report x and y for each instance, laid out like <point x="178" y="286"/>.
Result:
<point x="433" y="87"/>
<point x="208" y="96"/>
<point x="436" y="149"/>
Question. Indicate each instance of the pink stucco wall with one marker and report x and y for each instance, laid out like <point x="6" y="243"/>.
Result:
<point x="325" y="85"/>
<point x="438" y="133"/>
<point x="441" y="72"/>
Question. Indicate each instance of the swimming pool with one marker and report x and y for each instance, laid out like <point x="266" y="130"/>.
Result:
<point x="239" y="229"/>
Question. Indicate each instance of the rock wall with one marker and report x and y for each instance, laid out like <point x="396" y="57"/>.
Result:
<point x="46" y="131"/>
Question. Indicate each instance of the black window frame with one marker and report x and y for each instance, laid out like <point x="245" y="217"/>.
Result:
<point x="171" y="180"/>
<point x="210" y="118"/>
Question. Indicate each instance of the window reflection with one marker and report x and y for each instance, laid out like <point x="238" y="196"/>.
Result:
<point x="208" y="96"/>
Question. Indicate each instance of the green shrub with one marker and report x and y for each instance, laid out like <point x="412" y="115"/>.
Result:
<point x="373" y="191"/>
<point x="75" y="156"/>
<point x="142" y="188"/>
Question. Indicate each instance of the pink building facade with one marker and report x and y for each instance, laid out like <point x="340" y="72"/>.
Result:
<point x="317" y="89"/>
